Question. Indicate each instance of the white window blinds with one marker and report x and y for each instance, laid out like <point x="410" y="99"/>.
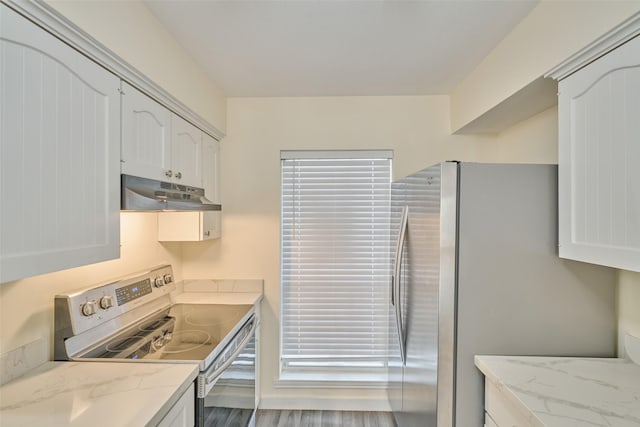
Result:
<point x="335" y="258"/>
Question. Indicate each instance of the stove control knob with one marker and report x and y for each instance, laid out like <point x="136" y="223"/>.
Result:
<point x="158" y="282"/>
<point x="168" y="278"/>
<point x="88" y="308"/>
<point x="106" y="302"/>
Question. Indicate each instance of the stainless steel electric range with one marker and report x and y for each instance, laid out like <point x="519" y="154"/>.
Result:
<point x="133" y="320"/>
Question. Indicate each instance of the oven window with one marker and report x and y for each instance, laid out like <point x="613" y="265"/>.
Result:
<point x="231" y="401"/>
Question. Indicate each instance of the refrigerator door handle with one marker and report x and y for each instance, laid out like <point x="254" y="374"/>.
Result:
<point x="395" y="281"/>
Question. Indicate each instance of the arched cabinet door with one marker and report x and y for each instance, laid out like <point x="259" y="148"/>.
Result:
<point x="59" y="154"/>
<point x="186" y="152"/>
<point x="146" y="136"/>
<point x="157" y="143"/>
<point x="599" y="158"/>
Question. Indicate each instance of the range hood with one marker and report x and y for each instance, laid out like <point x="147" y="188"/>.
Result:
<point x="143" y="194"/>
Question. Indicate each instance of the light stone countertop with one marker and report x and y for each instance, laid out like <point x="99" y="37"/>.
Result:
<point x="568" y="391"/>
<point x="209" y="291"/>
<point x="94" y="394"/>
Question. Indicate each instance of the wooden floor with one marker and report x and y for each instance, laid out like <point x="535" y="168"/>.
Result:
<point x="227" y="417"/>
<point x="297" y="418"/>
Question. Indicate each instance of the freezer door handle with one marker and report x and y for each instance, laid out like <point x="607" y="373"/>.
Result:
<point x="396" y="300"/>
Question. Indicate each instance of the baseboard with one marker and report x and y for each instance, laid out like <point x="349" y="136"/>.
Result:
<point x="322" y="403"/>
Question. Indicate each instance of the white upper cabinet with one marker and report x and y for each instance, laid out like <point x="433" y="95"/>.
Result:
<point x="599" y="160"/>
<point x="186" y="152"/>
<point x="146" y="136"/>
<point x="197" y="226"/>
<point x="59" y="154"/>
<point x="158" y="144"/>
<point x="211" y="168"/>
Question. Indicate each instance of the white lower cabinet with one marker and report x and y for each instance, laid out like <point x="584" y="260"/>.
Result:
<point x="188" y="226"/>
<point x="59" y="154"/>
<point x="499" y="412"/>
<point x="182" y="414"/>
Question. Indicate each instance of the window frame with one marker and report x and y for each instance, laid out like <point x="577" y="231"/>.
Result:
<point x="291" y="374"/>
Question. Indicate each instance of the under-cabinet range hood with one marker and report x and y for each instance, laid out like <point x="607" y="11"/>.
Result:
<point x="143" y="194"/>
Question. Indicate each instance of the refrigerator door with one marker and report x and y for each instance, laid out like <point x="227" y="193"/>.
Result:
<point x="398" y="295"/>
<point x="449" y="201"/>
<point x="396" y="362"/>
<point x="419" y="298"/>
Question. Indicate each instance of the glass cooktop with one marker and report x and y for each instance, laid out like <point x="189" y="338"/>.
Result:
<point x="184" y="332"/>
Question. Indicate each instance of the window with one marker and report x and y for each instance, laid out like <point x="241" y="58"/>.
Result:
<point x="335" y="262"/>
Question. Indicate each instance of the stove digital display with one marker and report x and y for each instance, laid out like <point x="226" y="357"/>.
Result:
<point x="133" y="291"/>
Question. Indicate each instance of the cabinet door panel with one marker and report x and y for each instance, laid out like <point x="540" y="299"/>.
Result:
<point x="211" y="168"/>
<point x="59" y="152"/>
<point x="186" y="150"/>
<point x="599" y="127"/>
<point x="146" y="136"/>
<point x="182" y="414"/>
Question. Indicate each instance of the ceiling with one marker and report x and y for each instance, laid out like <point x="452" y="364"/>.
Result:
<point x="338" y="47"/>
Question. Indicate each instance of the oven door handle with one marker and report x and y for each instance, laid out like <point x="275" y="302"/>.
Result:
<point x="211" y="378"/>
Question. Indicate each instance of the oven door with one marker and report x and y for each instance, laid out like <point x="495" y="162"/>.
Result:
<point x="227" y="389"/>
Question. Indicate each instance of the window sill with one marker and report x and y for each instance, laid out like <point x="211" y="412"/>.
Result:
<point x="326" y="379"/>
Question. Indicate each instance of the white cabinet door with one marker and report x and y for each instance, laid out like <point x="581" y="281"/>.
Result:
<point x="59" y="154"/>
<point x="146" y="136"/>
<point x="211" y="168"/>
<point x="156" y="143"/>
<point x="182" y="414"/>
<point x="188" y="226"/>
<point x="599" y="158"/>
<point x="186" y="152"/>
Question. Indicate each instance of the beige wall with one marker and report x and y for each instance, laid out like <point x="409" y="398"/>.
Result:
<point x="416" y="128"/>
<point x="26" y="306"/>
<point x="130" y="30"/>
<point x="553" y="31"/>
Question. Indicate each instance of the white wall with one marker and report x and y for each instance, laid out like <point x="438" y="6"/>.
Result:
<point x="553" y="31"/>
<point x="129" y="29"/>
<point x="416" y="128"/>
<point x="26" y="306"/>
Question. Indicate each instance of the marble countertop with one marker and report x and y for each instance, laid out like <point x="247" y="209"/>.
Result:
<point x="568" y="391"/>
<point x="208" y="291"/>
<point x="94" y="394"/>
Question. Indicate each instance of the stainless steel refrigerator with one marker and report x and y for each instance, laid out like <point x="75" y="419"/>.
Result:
<point x="476" y="271"/>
